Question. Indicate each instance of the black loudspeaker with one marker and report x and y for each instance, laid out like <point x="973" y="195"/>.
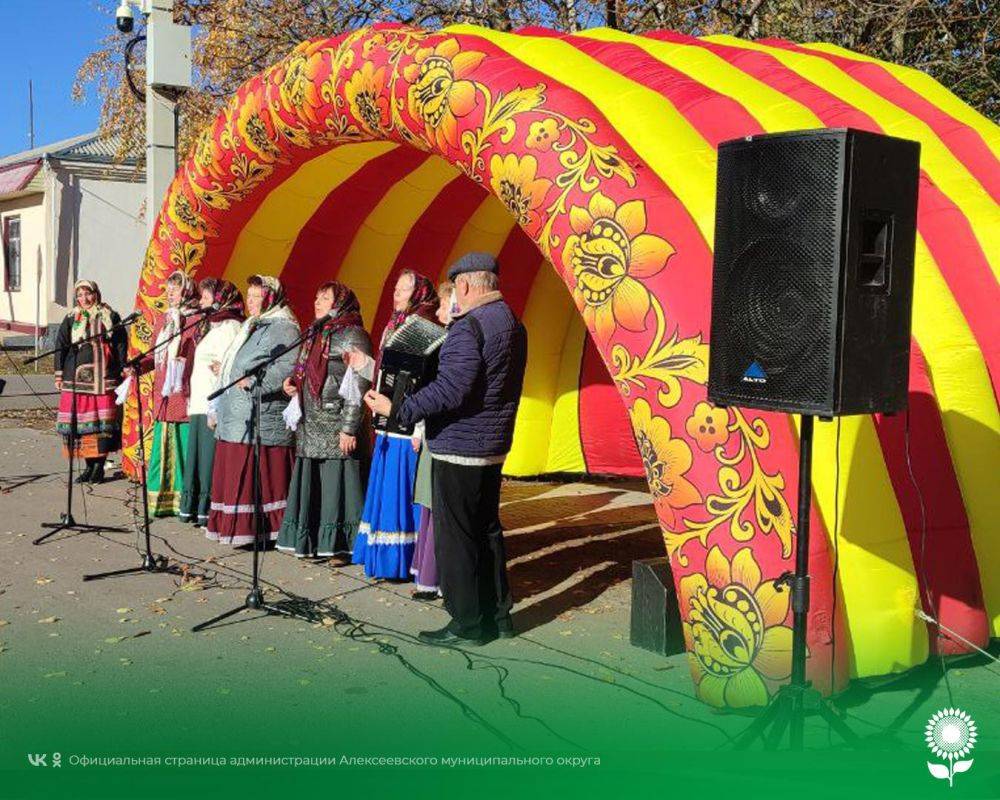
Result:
<point x="812" y="283"/>
<point x="656" y="616"/>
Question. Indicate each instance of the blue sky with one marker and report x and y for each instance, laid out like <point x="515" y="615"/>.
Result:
<point x="47" y="40"/>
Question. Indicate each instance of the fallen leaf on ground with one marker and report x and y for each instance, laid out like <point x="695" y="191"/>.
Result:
<point x="48" y="620"/>
<point x="122" y="610"/>
<point x="41" y="580"/>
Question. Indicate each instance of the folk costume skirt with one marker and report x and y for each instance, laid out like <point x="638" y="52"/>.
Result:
<point x="388" y="530"/>
<point x="424" y="569"/>
<point x="325" y="502"/>
<point x="165" y="476"/>
<point x="231" y="515"/>
<point x="196" y="497"/>
<point x="98" y="424"/>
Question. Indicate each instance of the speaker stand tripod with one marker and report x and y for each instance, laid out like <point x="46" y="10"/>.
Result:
<point x="797" y="700"/>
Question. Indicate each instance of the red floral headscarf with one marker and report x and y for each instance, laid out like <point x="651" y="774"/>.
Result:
<point x="423" y="302"/>
<point x="315" y="357"/>
<point x="227" y="299"/>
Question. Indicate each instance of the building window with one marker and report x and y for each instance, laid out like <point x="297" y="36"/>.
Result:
<point x="12" y="252"/>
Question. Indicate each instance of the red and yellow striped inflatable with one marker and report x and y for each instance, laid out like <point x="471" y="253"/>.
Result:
<point x="587" y="163"/>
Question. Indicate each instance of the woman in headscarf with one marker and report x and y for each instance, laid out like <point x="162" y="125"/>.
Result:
<point x="389" y="522"/>
<point x="171" y="337"/>
<point x="87" y="375"/>
<point x="424" y="569"/>
<point x="269" y="327"/>
<point x="327" y="491"/>
<point x="213" y="336"/>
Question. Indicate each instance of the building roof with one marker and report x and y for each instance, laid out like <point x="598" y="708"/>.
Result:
<point x="16" y="177"/>
<point x="89" y="148"/>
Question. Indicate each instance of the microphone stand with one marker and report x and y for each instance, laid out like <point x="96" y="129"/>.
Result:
<point x="66" y="520"/>
<point x="255" y="598"/>
<point x="150" y="562"/>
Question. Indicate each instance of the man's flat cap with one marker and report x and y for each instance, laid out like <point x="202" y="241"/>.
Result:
<point x="474" y="262"/>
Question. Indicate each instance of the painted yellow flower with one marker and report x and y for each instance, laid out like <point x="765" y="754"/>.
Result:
<point x="736" y="637"/>
<point x="186" y="215"/>
<point x="254" y="126"/>
<point x="609" y="254"/>
<point x="298" y="80"/>
<point x="516" y="184"/>
<point x="666" y="461"/>
<point x="542" y="135"/>
<point x="439" y="90"/>
<point x="206" y="153"/>
<point x="365" y="91"/>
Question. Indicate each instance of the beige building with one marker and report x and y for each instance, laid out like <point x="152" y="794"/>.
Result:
<point x="68" y="211"/>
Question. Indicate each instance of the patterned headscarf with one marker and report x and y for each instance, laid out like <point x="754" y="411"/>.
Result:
<point x="87" y="322"/>
<point x="226" y="298"/>
<point x="423" y="302"/>
<point x="174" y="315"/>
<point x="314" y="359"/>
<point x="273" y="305"/>
<point x="272" y="293"/>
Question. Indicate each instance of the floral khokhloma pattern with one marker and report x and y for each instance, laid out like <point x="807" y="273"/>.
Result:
<point x="737" y="641"/>
<point x="572" y="184"/>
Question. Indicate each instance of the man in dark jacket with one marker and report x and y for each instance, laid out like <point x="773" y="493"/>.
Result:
<point x="469" y="411"/>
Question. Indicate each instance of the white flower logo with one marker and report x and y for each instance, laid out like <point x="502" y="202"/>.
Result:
<point x="950" y="734"/>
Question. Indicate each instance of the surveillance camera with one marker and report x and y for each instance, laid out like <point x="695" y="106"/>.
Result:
<point x="123" y="17"/>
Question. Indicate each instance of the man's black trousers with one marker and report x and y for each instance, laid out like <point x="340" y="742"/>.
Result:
<point x="468" y="546"/>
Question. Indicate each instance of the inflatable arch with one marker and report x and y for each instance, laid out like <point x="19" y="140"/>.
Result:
<point x="587" y="163"/>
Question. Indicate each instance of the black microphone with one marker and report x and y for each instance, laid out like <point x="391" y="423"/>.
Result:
<point x="130" y="318"/>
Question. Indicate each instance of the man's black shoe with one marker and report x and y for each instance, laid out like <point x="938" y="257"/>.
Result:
<point x="446" y="637"/>
<point x="505" y="629"/>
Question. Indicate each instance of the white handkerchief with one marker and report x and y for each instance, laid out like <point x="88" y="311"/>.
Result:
<point x="350" y="389"/>
<point x="173" y="377"/>
<point x="121" y="393"/>
<point x="292" y="413"/>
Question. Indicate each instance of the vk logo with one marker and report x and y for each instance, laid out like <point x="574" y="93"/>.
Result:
<point x="37" y="759"/>
<point x="755" y="374"/>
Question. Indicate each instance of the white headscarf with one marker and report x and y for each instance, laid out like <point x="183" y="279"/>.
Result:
<point x="274" y="306"/>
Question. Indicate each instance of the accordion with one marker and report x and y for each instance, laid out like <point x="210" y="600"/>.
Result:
<point x="409" y="361"/>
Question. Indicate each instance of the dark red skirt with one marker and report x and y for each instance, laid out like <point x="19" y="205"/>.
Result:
<point x="230" y="519"/>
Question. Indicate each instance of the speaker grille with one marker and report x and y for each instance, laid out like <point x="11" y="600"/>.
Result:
<point x="776" y="266"/>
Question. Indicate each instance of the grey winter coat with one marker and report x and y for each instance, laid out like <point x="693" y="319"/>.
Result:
<point x="318" y="434"/>
<point x="233" y="408"/>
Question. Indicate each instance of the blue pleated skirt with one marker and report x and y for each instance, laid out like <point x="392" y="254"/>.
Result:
<point x="390" y="520"/>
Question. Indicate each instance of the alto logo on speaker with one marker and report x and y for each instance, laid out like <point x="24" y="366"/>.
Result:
<point x="755" y="374"/>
